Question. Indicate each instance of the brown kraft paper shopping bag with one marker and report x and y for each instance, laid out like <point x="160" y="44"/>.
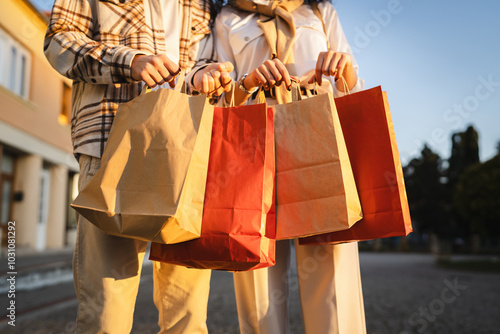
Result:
<point x="151" y="184"/>
<point x="315" y="189"/>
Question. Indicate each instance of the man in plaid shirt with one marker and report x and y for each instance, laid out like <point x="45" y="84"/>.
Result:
<point x="110" y="49"/>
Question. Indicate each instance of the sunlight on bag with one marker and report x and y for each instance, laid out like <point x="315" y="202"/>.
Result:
<point x="151" y="184"/>
<point x="238" y="225"/>
<point x="315" y="188"/>
<point x="371" y="142"/>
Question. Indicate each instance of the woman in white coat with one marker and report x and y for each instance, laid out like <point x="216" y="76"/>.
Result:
<point x="268" y="42"/>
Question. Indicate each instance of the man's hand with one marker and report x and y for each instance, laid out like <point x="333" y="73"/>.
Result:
<point x="154" y="70"/>
<point x="214" y="79"/>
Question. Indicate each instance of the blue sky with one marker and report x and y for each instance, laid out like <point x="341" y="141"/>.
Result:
<point x="438" y="60"/>
<point x="439" y="63"/>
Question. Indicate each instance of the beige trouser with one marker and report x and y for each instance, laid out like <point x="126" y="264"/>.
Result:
<point x="329" y="284"/>
<point x="107" y="271"/>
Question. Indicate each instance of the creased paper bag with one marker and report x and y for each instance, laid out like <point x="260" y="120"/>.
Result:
<point x="238" y="224"/>
<point x="316" y="192"/>
<point x="371" y="142"/>
<point x="151" y="184"/>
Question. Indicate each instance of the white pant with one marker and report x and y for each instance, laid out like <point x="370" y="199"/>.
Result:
<point x="330" y="291"/>
<point x="107" y="272"/>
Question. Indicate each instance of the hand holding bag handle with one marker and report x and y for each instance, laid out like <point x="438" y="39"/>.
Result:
<point x="180" y="85"/>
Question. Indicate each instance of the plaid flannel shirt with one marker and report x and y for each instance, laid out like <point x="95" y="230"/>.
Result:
<point x="93" y="43"/>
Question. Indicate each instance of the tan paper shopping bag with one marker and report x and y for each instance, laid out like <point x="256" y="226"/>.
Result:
<point x="151" y="184"/>
<point x="315" y="188"/>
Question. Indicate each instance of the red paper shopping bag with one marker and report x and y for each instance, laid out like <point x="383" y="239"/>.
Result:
<point x="238" y="222"/>
<point x="371" y="143"/>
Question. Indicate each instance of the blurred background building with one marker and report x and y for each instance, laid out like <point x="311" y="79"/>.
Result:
<point x="38" y="176"/>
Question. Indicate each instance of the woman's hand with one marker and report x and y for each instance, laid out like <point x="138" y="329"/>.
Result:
<point x="154" y="70"/>
<point x="271" y="73"/>
<point x="213" y="79"/>
<point x="336" y="65"/>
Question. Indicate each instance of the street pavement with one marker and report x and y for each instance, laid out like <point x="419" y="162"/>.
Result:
<point x="404" y="293"/>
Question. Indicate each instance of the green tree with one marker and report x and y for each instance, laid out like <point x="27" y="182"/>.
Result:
<point x="425" y="190"/>
<point x="464" y="153"/>
<point x="477" y="197"/>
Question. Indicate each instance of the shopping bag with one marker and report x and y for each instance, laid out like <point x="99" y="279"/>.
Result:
<point x="371" y="142"/>
<point x="151" y="184"/>
<point x="315" y="189"/>
<point x="238" y="226"/>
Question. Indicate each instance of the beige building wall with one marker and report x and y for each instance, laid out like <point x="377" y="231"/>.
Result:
<point x="39" y="114"/>
<point x="33" y="130"/>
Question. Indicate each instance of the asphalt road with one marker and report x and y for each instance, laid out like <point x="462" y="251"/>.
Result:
<point x="404" y="294"/>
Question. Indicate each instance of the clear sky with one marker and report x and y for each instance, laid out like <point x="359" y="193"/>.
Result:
<point x="438" y="60"/>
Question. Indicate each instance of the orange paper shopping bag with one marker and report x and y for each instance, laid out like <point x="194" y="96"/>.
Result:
<point x="238" y="222"/>
<point x="371" y="143"/>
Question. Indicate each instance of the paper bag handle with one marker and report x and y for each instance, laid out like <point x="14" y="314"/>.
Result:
<point x="180" y="85"/>
<point x="346" y="86"/>
<point x="315" y="89"/>
<point x="233" y="87"/>
<point x="261" y="96"/>
<point x="296" y="95"/>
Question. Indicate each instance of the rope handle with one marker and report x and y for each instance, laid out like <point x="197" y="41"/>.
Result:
<point x="346" y="86"/>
